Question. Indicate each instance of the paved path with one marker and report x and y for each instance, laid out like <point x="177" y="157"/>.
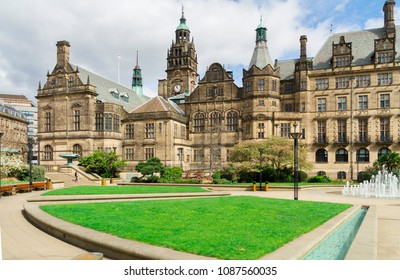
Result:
<point x="22" y="241"/>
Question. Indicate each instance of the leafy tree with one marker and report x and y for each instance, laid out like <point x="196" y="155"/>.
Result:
<point x="276" y="152"/>
<point x="171" y="174"/>
<point x="106" y="164"/>
<point x="391" y="161"/>
<point x="151" y="166"/>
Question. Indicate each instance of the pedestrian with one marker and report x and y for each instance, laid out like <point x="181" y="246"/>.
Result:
<point x="76" y="176"/>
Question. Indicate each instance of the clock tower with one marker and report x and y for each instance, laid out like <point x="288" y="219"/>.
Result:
<point x="181" y="64"/>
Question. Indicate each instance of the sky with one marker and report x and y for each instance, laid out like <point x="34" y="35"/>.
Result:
<point x="223" y="32"/>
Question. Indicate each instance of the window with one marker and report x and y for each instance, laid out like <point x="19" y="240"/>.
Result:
<point x="384" y="79"/>
<point x="321" y="84"/>
<point x="247" y="128"/>
<point x="342" y="82"/>
<point x="321" y="173"/>
<point x="362" y="155"/>
<point x="342" y="131"/>
<point x="321" y="104"/>
<point x="385" y="101"/>
<point x="363" y="80"/>
<point x="148" y="153"/>
<point x="77" y="149"/>
<point x="303" y="85"/>
<point x="233" y="121"/>
<point x="108" y="121"/>
<point x="198" y="125"/>
<point x="321" y="155"/>
<point x="342" y="155"/>
<point x="285" y="129"/>
<point x="71" y="81"/>
<point x="159" y="128"/>
<point x="342" y="103"/>
<point x="261" y="102"/>
<point x="149" y="133"/>
<point x="215" y="119"/>
<point x="247" y="86"/>
<point x="48" y="153"/>
<point x="383" y="151"/>
<point x="130" y="131"/>
<point x="385" y="57"/>
<point x="183" y="132"/>
<point x="180" y="154"/>
<point x="384" y="135"/>
<point x="288" y="107"/>
<point x="99" y="122"/>
<point x="47" y="127"/>
<point x="215" y="154"/>
<point x="260" y="130"/>
<point x="198" y="155"/>
<point x="321" y="137"/>
<point x="261" y="85"/>
<point x="274" y="85"/>
<point x="116" y="123"/>
<point x="363" y="130"/>
<point x="363" y="102"/>
<point x="342" y="61"/>
<point x="77" y="120"/>
<point x="341" y="175"/>
<point x="129" y="153"/>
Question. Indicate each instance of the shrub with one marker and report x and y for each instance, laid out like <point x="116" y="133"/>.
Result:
<point x="37" y="173"/>
<point x="221" y="181"/>
<point x="319" y="179"/>
<point x="171" y="175"/>
<point x="302" y="176"/>
<point x="151" y="179"/>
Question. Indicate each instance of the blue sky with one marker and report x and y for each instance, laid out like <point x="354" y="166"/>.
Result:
<point x="223" y="30"/>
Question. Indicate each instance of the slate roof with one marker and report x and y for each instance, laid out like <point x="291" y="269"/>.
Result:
<point x="105" y="86"/>
<point x="362" y="47"/>
<point x="261" y="56"/>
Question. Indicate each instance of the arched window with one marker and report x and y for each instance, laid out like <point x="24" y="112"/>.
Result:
<point x="383" y="151"/>
<point x="198" y="122"/>
<point x="341" y="175"/>
<point x="321" y="173"/>
<point x="362" y="155"/>
<point x="321" y="155"/>
<point x="233" y="121"/>
<point x="215" y="119"/>
<point x="77" y="149"/>
<point x="48" y="153"/>
<point x="342" y="155"/>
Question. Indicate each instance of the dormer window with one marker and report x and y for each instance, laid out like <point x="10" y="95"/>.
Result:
<point x="114" y="92"/>
<point x="342" y="61"/>
<point x="124" y="96"/>
<point x="385" y="57"/>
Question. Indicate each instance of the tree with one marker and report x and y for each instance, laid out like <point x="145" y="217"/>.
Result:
<point x="274" y="151"/>
<point x="106" y="164"/>
<point x="151" y="166"/>
<point x="391" y="161"/>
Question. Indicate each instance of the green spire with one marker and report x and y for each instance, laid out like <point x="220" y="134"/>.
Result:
<point x="137" y="84"/>
<point x="261" y="31"/>
<point x="182" y="25"/>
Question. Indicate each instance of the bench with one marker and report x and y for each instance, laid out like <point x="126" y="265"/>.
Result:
<point x="23" y="188"/>
<point x="7" y="190"/>
<point x="39" y="186"/>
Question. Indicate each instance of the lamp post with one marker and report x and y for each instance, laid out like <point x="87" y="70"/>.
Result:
<point x="296" y="136"/>
<point x="1" y="135"/>
<point x="31" y="141"/>
<point x="261" y="152"/>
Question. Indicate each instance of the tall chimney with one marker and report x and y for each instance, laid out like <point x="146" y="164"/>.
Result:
<point x="389" y="27"/>
<point x="303" y="47"/>
<point x="62" y="53"/>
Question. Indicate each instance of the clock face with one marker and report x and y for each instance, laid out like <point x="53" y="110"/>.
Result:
<point x="177" y="88"/>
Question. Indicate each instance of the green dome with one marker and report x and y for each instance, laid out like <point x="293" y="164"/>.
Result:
<point x="182" y="25"/>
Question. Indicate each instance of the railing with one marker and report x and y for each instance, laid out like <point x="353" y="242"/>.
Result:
<point x="385" y="139"/>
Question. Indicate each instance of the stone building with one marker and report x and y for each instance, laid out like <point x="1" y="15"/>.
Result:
<point x="14" y="129"/>
<point x="345" y="101"/>
<point x="79" y="111"/>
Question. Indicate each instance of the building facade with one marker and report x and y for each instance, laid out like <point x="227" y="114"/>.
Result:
<point x="345" y="101"/>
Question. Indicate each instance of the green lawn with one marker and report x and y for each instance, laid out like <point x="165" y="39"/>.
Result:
<point x="87" y="190"/>
<point x="222" y="227"/>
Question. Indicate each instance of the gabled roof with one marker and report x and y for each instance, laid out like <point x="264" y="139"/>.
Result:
<point x="127" y="98"/>
<point x="157" y="104"/>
